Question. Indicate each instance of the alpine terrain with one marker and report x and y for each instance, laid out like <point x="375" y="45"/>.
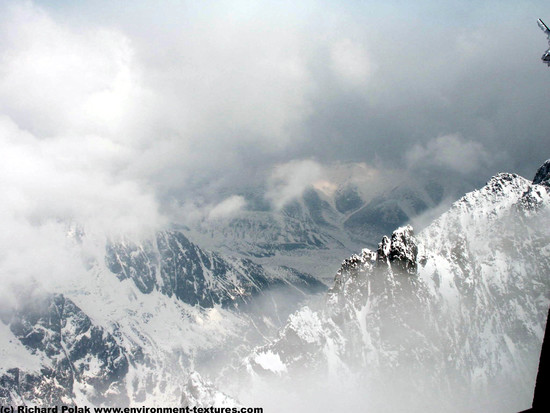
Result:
<point x="316" y="229"/>
<point x="450" y="319"/>
<point x="132" y="329"/>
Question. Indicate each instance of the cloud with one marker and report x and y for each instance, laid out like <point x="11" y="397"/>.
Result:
<point x="58" y="80"/>
<point x="190" y="104"/>
<point x="54" y="187"/>
<point x="206" y="99"/>
<point x="449" y="151"/>
<point x="289" y="180"/>
<point x="69" y="114"/>
<point x="350" y="62"/>
<point x="227" y="207"/>
<point x="54" y="180"/>
<point x="179" y="112"/>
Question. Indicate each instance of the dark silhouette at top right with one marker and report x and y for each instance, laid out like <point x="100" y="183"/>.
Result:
<point x="546" y="56"/>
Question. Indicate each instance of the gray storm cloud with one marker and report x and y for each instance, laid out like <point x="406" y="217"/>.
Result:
<point x="155" y="108"/>
<point x="121" y="118"/>
<point x="451" y="151"/>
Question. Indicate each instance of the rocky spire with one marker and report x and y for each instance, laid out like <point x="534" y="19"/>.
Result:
<point x="542" y="176"/>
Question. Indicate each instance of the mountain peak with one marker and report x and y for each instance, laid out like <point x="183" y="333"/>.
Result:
<point x="542" y="176"/>
<point x="469" y="321"/>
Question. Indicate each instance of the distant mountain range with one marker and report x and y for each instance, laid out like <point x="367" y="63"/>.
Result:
<point x="451" y="318"/>
<point x="320" y="224"/>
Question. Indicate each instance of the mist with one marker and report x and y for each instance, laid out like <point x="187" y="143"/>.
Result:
<point x="121" y="120"/>
<point x="195" y="104"/>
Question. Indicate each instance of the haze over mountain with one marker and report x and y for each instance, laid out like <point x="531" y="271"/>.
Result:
<point x="450" y="319"/>
<point x="177" y="178"/>
<point x="328" y="222"/>
<point x="126" y="106"/>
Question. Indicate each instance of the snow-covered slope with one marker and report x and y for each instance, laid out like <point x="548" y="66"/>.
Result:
<point x="449" y="320"/>
<point x="136" y="324"/>
<point x="316" y="229"/>
<point x="175" y="266"/>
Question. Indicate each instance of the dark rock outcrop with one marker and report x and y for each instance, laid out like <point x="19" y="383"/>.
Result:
<point x="54" y="328"/>
<point x="542" y="177"/>
<point x="176" y="267"/>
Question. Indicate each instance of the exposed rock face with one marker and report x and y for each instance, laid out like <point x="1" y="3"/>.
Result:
<point x="146" y="317"/>
<point x="403" y="250"/>
<point x="542" y="177"/>
<point x="454" y="315"/>
<point x="60" y="357"/>
<point x="79" y="357"/>
<point x="176" y="267"/>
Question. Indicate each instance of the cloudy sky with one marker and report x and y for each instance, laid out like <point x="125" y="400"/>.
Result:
<point x="118" y="113"/>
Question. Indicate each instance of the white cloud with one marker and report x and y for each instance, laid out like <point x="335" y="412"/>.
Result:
<point x="172" y="104"/>
<point x="54" y="180"/>
<point x="450" y="151"/>
<point x="51" y="185"/>
<point x="350" y="61"/>
<point x="288" y="181"/>
<point x="227" y="207"/>
<point x="102" y="120"/>
<point x="57" y="80"/>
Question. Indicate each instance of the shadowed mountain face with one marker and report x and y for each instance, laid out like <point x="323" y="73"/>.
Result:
<point x="347" y="199"/>
<point x="71" y="352"/>
<point x="176" y="267"/>
<point x="151" y="312"/>
<point x="450" y="319"/>
<point x="542" y="177"/>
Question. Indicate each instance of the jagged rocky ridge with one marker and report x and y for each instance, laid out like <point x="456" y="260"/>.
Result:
<point x="457" y="312"/>
<point x="449" y="320"/>
<point x="52" y="328"/>
<point x="60" y="357"/>
<point x="135" y="326"/>
<point x="176" y="267"/>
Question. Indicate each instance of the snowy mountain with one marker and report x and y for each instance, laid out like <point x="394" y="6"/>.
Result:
<point x="394" y="208"/>
<point x="318" y="224"/>
<point x="176" y="267"/>
<point x="53" y="353"/>
<point x="136" y="325"/>
<point x="451" y="319"/>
